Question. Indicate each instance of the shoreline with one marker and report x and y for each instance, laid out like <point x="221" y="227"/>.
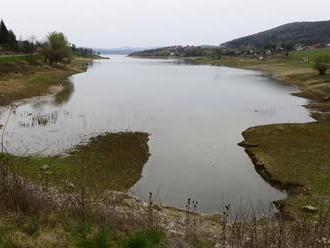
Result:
<point x="259" y="166"/>
<point x="279" y="70"/>
<point x="24" y="81"/>
<point x="293" y="73"/>
<point x="306" y="82"/>
<point x="172" y="218"/>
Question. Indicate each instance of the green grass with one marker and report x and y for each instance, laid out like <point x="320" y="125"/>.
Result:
<point x="145" y="239"/>
<point x="112" y="161"/>
<point x="295" y="157"/>
<point x="299" y="55"/>
<point x="15" y="58"/>
<point x="58" y="229"/>
<point x="248" y="62"/>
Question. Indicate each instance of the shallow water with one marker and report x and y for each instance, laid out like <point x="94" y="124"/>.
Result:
<point x="194" y="113"/>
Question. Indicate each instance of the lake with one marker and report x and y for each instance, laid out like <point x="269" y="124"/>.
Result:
<point x="195" y="115"/>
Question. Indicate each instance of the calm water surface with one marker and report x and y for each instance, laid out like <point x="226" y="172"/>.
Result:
<point x="194" y="113"/>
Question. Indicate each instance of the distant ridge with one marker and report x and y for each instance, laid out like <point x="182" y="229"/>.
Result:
<point x="305" y="33"/>
<point x="121" y="50"/>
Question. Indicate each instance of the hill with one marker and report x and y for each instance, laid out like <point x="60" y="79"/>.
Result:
<point x="120" y="50"/>
<point x="176" y="51"/>
<point x="305" y="33"/>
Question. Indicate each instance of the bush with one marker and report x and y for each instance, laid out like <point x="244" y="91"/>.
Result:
<point x="56" y="48"/>
<point x="100" y="240"/>
<point x="145" y="239"/>
<point x="322" y="63"/>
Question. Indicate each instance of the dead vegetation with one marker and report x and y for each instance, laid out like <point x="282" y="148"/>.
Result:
<point x="37" y="216"/>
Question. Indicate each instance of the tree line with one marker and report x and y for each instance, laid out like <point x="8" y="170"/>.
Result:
<point x="56" y="47"/>
<point x="7" y="37"/>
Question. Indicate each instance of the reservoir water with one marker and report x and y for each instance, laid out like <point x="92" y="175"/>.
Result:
<point x="195" y="115"/>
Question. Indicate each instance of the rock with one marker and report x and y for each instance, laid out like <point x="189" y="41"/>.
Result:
<point x="310" y="208"/>
<point x="247" y="144"/>
<point x="44" y="167"/>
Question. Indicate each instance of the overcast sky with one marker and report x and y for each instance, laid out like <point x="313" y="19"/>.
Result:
<point x="144" y="23"/>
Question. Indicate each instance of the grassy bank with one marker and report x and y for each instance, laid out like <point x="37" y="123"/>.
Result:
<point x="294" y="157"/>
<point x="21" y="79"/>
<point x="107" y="162"/>
<point x="112" y="161"/>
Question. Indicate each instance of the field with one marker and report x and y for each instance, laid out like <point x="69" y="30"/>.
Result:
<point x="14" y="58"/>
<point x="299" y="55"/>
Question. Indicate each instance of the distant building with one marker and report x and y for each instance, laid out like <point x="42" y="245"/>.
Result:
<point x="279" y="48"/>
<point x="268" y="51"/>
<point x="315" y="46"/>
<point x="299" y="47"/>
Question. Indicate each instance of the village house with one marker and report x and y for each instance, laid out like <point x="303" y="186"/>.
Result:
<point x="315" y="46"/>
<point x="299" y="47"/>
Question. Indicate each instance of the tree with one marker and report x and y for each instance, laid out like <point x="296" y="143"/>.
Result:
<point x="56" y="48"/>
<point x="288" y="48"/>
<point x="322" y="63"/>
<point x="3" y="33"/>
<point x="11" y="40"/>
<point x="7" y="37"/>
<point x="30" y="45"/>
<point x="218" y="53"/>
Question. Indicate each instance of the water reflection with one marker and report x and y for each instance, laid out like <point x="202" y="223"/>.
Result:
<point x="65" y="94"/>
